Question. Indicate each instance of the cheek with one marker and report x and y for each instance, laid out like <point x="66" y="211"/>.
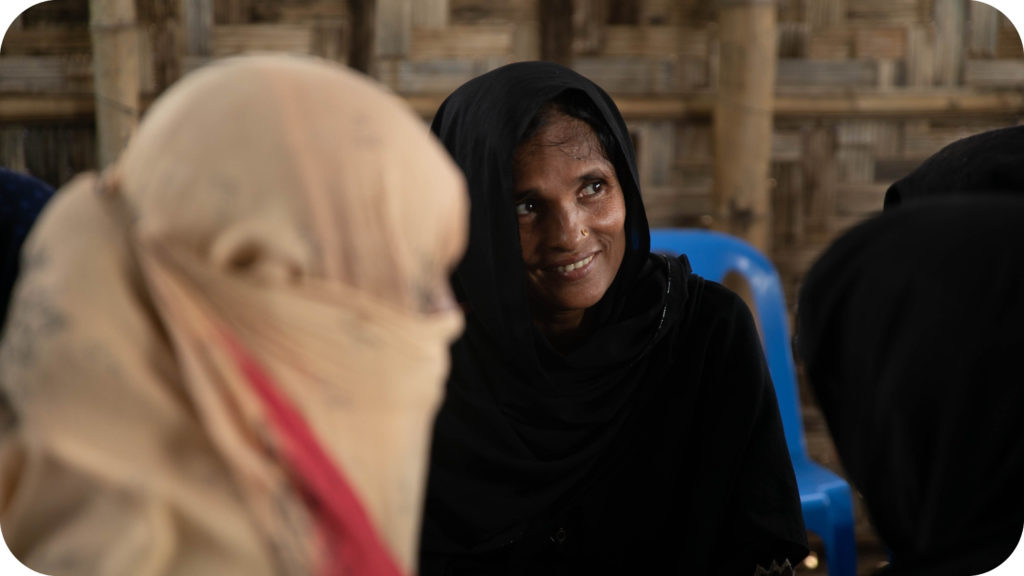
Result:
<point x="527" y="242"/>
<point x="612" y="222"/>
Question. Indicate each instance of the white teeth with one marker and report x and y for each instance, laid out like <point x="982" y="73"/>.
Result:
<point x="575" y="265"/>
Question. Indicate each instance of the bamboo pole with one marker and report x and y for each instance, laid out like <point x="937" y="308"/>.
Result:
<point x="198" y="28"/>
<point x="362" y="43"/>
<point x="393" y="28"/>
<point x="556" y="31"/>
<point x="115" y="61"/>
<point x="950" y="38"/>
<point x="743" y="120"/>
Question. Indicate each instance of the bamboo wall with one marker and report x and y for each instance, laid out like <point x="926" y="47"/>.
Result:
<point x="865" y="89"/>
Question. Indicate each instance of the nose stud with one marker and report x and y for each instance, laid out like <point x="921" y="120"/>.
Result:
<point x="584" y="232"/>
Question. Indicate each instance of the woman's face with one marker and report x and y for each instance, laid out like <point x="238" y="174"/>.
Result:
<point x="572" y="218"/>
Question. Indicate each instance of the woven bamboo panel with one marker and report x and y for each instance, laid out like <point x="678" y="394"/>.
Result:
<point x="787" y="146"/>
<point x="870" y="12"/>
<point x="1008" y="43"/>
<point x="866" y="89"/>
<point x="33" y="74"/>
<point x="656" y="41"/>
<point x="47" y="41"/>
<point x="793" y="38"/>
<point x="55" y="12"/>
<point x="298" y="12"/>
<point x="656" y="156"/>
<point x="883" y="42"/>
<point x="830" y="44"/>
<point x="823" y="13"/>
<point x="624" y="75"/>
<point x="794" y="73"/>
<point x="53" y="153"/>
<point x="241" y="38"/>
<point x="996" y="73"/>
<point x="492" y="12"/>
<point x="463" y="41"/>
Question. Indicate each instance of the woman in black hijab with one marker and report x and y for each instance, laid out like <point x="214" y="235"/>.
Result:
<point x="608" y="411"/>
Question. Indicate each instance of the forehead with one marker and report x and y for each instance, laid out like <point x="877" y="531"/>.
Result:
<point x="560" y="146"/>
<point x="561" y="132"/>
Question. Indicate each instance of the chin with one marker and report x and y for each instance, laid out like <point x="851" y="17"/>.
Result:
<point x="574" y="301"/>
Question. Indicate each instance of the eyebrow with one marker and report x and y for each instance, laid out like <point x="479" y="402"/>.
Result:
<point x="591" y="175"/>
<point x="599" y="173"/>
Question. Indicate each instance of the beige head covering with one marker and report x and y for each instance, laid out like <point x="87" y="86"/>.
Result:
<point x="271" y="211"/>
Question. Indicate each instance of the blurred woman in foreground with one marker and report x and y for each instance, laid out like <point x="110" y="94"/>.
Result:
<point x="225" y="354"/>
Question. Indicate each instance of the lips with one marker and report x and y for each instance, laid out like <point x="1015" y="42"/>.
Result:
<point x="574" y="265"/>
<point x="570" y="269"/>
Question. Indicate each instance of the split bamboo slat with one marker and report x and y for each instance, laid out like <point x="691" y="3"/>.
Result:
<point x="743" y="120"/>
<point x="115" y="67"/>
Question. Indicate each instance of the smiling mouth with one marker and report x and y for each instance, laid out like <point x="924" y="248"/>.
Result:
<point x="575" y="265"/>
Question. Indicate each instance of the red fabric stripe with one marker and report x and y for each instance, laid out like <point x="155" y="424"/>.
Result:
<point x="353" y="544"/>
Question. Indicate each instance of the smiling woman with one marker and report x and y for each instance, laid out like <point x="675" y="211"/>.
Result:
<point x="608" y="411"/>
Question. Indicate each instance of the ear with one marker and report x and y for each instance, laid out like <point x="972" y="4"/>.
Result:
<point x="268" y="251"/>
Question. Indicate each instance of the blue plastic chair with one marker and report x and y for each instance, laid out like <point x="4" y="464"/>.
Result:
<point x="825" y="497"/>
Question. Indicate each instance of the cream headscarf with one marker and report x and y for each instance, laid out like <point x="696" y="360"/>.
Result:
<point x="225" y="355"/>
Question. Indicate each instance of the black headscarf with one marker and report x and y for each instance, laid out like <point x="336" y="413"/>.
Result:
<point x="985" y="163"/>
<point x="531" y="443"/>
<point x="911" y="330"/>
<point x="22" y="197"/>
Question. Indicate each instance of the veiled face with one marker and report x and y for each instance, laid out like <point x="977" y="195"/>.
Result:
<point x="572" y="215"/>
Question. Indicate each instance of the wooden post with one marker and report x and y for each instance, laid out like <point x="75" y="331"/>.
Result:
<point x="115" y="63"/>
<point x="950" y="32"/>
<point x="198" y="16"/>
<point x="394" y="28"/>
<point x="984" y="33"/>
<point x="556" y="31"/>
<point x="361" y="49"/>
<point x="743" y="120"/>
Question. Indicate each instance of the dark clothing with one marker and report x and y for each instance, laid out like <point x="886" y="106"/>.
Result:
<point x="22" y="198"/>
<point x="910" y="327"/>
<point x="654" y="446"/>
<point x="986" y="163"/>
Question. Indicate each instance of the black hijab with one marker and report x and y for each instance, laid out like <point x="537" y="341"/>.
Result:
<point x="985" y="163"/>
<point x="525" y="431"/>
<point x="911" y="330"/>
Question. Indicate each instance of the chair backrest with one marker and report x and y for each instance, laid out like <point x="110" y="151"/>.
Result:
<point x="713" y="255"/>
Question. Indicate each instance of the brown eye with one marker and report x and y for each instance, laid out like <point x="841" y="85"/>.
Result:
<point x="526" y="207"/>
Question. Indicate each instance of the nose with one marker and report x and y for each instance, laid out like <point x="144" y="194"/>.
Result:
<point x="563" y="225"/>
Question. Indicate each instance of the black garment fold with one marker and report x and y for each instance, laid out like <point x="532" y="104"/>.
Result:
<point x="983" y="164"/>
<point x="910" y="327"/>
